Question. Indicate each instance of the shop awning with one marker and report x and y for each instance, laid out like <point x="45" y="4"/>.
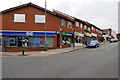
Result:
<point x="15" y="33"/>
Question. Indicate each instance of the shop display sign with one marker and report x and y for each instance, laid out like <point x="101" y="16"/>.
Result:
<point x="66" y="34"/>
<point x="79" y="34"/>
<point x="29" y="33"/>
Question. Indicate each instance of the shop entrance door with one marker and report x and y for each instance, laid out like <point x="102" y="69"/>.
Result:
<point x="22" y="41"/>
<point x="19" y="41"/>
<point x="58" y="40"/>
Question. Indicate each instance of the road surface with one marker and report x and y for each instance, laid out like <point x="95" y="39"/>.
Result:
<point x="99" y="62"/>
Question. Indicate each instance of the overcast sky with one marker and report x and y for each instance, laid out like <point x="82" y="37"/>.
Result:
<point x="102" y="13"/>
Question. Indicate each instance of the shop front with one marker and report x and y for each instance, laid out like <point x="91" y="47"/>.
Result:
<point x="30" y="41"/>
<point x="100" y="39"/>
<point x="106" y="37"/>
<point x="94" y="36"/>
<point x="67" y="39"/>
<point x="87" y="37"/>
<point x="79" y="37"/>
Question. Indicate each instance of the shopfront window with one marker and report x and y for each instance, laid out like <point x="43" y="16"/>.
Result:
<point x="40" y="41"/>
<point x="78" y="39"/>
<point x="10" y="41"/>
<point x="0" y="41"/>
<point x="16" y="41"/>
<point x="66" y="40"/>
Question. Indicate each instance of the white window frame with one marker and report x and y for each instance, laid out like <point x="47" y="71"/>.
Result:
<point x="40" y="19"/>
<point x="19" y="18"/>
<point x="81" y="25"/>
<point x="63" y="22"/>
<point x="69" y="24"/>
<point x="77" y="24"/>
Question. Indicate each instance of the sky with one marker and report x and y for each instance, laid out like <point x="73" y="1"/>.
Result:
<point x="102" y="13"/>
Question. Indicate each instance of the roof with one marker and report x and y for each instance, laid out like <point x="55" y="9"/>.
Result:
<point x="80" y="20"/>
<point x="96" y="27"/>
<point x="33" y="5"/>
<point x="63" y="14"/>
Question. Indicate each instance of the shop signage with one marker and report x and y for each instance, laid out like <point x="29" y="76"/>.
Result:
<point x="95" y="35"/>
<point x="88" y="34"/>
<point x="67" y="34"/>
<point x="79" y="34"/>
<point x="85" y="32"/>
<point x="29" y="33"/>
<point x="19" y="33"/>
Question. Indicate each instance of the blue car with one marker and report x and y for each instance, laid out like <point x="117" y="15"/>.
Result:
<point x="93" y="43"/>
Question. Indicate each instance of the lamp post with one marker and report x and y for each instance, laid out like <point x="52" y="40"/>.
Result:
<point x="45" y="48"/>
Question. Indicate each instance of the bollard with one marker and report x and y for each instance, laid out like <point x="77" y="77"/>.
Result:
<point x="23" y="52"/>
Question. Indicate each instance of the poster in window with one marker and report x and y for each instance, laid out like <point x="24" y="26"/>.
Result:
<point x="42" y="40"/>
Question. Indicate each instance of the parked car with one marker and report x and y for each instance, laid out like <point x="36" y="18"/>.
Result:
<point x="93" y="43"/>
<point x="113" y="40"/>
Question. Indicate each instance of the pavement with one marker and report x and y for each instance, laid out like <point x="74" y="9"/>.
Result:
<point x="101" y="62"/>
<point x="43" y="53"/>
<point x="47" y="53"/>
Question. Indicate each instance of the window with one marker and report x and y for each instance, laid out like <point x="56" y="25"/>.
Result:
<point x="92" y="27"/>
<point x="39" y="41"/>
<point x="66" y="40"/>
<point x="10" y="41"/>
<point x="81" y="25"/>
<point x="63" y="22"/>
<point x="89" y="28"/>
<point x="77" y="24"/>
<point x="85" y="27"/>
<point x="69" y="24"/>
<point x="19" y="18"/>
<point x="39" y="18"/>
<point x="0" y="41"/>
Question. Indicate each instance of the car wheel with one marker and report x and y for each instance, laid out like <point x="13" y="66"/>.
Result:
<point x="96" y="46"/>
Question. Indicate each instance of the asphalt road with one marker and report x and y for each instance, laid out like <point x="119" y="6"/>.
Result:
<point x="99" y="62"/>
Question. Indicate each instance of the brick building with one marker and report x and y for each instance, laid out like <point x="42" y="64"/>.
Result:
<point x="83" y="30"/>
<point x="23" y="27"/>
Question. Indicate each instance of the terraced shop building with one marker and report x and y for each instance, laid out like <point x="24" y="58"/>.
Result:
<point x="23" y="27"/>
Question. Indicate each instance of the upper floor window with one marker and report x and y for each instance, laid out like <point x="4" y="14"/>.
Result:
<point x="89" y="28"/>
<point x="77" y="24"/>
<point x="19" y="18"/>
<point x="69" y="24"/>
<point x="81" y="25"/>
<point x="92" y="27"/>
<point x="85" y="27"/>
<point x="39" y="18"/>
<point x="63" y="22"/>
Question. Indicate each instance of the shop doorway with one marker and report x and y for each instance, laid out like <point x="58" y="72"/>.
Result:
<point x="58" y="40"/>
<point x="23" y="42"/>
